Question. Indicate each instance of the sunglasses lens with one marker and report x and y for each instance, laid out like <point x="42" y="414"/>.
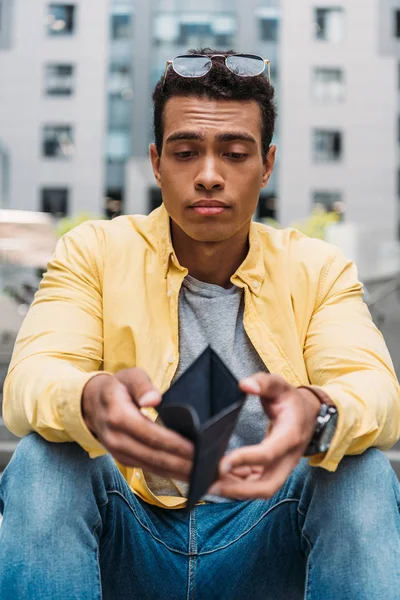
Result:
<point x="191" y="66"/>
<point x="246" y="65"/>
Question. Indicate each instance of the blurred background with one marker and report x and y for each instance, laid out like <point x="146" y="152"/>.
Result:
<point x="76" y="79"/>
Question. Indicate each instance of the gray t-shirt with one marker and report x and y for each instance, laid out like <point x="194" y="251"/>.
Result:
<point x="212" y="315"/>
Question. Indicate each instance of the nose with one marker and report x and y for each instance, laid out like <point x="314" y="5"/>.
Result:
<point x="209" y="176"/>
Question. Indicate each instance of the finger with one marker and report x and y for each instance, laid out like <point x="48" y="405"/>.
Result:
<point x="139" y="386"/>
<point x="265" y="385"/>
<point x="264" y="486"/>
<point x="133" y="453"/>
<point x="121" y="415"/>
<point x="241" y="471"/>
<point x="278" y="444"/>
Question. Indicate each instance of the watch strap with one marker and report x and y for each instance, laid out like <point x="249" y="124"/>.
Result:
<point x="318" y="393"/>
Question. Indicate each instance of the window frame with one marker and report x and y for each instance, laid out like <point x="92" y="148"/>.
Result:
<point x="67" y="33"/>
<point x="327" y="98"/>
<point x="55" y="126"/>
<point x="326" y="9"/>
<point x="46" y="89"/>
<point x="55" y="188"/>
<point x="317" y="156"/>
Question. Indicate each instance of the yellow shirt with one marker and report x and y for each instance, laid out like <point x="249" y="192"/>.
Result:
<point x="109" y="301"/>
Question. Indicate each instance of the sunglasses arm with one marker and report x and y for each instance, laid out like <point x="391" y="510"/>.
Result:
<point x="167" y="66"/>
<point x="268" y="63"/>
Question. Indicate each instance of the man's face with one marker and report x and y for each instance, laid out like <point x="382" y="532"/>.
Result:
<point x="211" y="168"/>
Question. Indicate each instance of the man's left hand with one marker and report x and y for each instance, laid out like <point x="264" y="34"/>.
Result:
<point x="259" y="471"/>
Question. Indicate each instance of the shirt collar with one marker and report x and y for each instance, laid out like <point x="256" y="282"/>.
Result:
<point x="251" y="272"/>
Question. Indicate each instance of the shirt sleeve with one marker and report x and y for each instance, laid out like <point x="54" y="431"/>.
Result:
<point x="60" y="345"/>
<point x="346" y="356"/>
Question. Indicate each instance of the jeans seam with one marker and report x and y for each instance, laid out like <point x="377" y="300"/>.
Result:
<point x="250" y="528"/>
<point x="192" y="554"/>
<point x="118" y="493"/>
<point x="98" y="559"/>
<point x="308" y="567"/>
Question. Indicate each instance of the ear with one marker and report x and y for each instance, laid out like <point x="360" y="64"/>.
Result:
<point x="268" y="165"/>
<point x="155" y="161"/>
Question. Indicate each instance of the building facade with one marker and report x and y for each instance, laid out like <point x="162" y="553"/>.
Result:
<point x="53" y="68"/>
<point x="339" y="102"/>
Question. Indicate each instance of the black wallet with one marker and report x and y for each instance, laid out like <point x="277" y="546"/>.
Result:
<point x="203" y="405"/>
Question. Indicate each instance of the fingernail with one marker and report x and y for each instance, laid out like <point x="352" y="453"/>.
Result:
<point x="252" y="385"/>
<point x="150" y="398"/>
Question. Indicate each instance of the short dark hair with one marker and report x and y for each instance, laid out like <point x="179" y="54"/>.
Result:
<point x="218" y="84"/>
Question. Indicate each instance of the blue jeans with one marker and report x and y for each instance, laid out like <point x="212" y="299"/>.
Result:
<point x="73" y="529"/>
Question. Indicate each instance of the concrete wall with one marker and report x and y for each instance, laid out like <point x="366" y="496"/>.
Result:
<point x="367" y="117"/>
<point x="25" y="109"/>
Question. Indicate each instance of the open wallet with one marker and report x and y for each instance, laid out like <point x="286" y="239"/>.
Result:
<point x="203" y="405"/>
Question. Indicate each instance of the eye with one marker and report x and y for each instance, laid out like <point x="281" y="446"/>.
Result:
<point x="185" y="155"/>
<point x="236" y="155"/>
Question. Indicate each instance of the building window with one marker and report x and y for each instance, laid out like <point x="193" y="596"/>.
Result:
<point x="119" y="113"/>
<point x="327" y="146"/>
<point x="54" y="200"/>
<point x="330" y="200"/>
<point x="120" y="81"/>
<point x="61" y="19"/>
<point x="329" y="24"/>
<point x="113" y="202"/>
<point x="118" y="145"/>
<point x="59" y="80"/>
<point x="397" y="24"/>
<point x="121" y="23"/>
<point x="194" y="29"/>
<point x="268" y="29"/>
<point x="328" y="85"/>
<point x="58" y="141"/>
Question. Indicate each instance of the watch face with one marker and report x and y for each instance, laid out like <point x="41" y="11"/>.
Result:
<point x="327" y="433"/>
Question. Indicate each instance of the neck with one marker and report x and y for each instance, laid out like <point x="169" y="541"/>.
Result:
<point x="211" y="262"/>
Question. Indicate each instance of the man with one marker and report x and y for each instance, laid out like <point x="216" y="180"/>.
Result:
<point x="124" y="309"/>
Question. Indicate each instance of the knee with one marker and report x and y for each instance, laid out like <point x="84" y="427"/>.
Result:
<point x="363" y="473"/>
<point x="362" y="492"/>
<point x="43" y="471"/>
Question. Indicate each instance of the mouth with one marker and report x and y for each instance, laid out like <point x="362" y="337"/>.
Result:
<point x="209" y="208"/>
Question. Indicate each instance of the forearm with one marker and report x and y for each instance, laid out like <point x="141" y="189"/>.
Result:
<point x="368" y="403"/>
<point x="43" y="394"/>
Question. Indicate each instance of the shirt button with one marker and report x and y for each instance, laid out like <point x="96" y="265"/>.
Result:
<point x="169" y="293"/>
<point x="256" y="284"/>
<point x="137" y="475"/>
<point x="171" y="360"/>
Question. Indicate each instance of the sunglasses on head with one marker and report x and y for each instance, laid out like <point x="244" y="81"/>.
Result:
<point x="198" y="65"/>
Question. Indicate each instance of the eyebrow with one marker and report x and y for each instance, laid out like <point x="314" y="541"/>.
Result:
<point x="233" y="136"/>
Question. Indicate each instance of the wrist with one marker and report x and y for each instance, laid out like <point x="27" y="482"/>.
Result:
<point x="89" y="393"/>
<point x="325" y="421"/>
<point x="312" y="401"/>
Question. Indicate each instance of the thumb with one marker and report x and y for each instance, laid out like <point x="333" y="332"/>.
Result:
<point x="265" y="385"/>
<point x="139" y="387"/>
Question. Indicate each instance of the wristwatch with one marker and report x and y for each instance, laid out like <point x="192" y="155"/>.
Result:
<point x="324" y="431"/>
<point x="325" y="424"/>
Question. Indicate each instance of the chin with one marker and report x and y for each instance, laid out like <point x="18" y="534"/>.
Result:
<point x="208" y="232"/>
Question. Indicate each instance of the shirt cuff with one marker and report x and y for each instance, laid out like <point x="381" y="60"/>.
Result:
<point x="69" y="406"/>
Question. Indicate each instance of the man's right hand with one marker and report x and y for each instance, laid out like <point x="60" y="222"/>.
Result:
<point x="110" y="408"/>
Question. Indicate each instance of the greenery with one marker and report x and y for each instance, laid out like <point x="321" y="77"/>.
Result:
<point x="67" y="223"/>
<point x="314" y="225"/>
